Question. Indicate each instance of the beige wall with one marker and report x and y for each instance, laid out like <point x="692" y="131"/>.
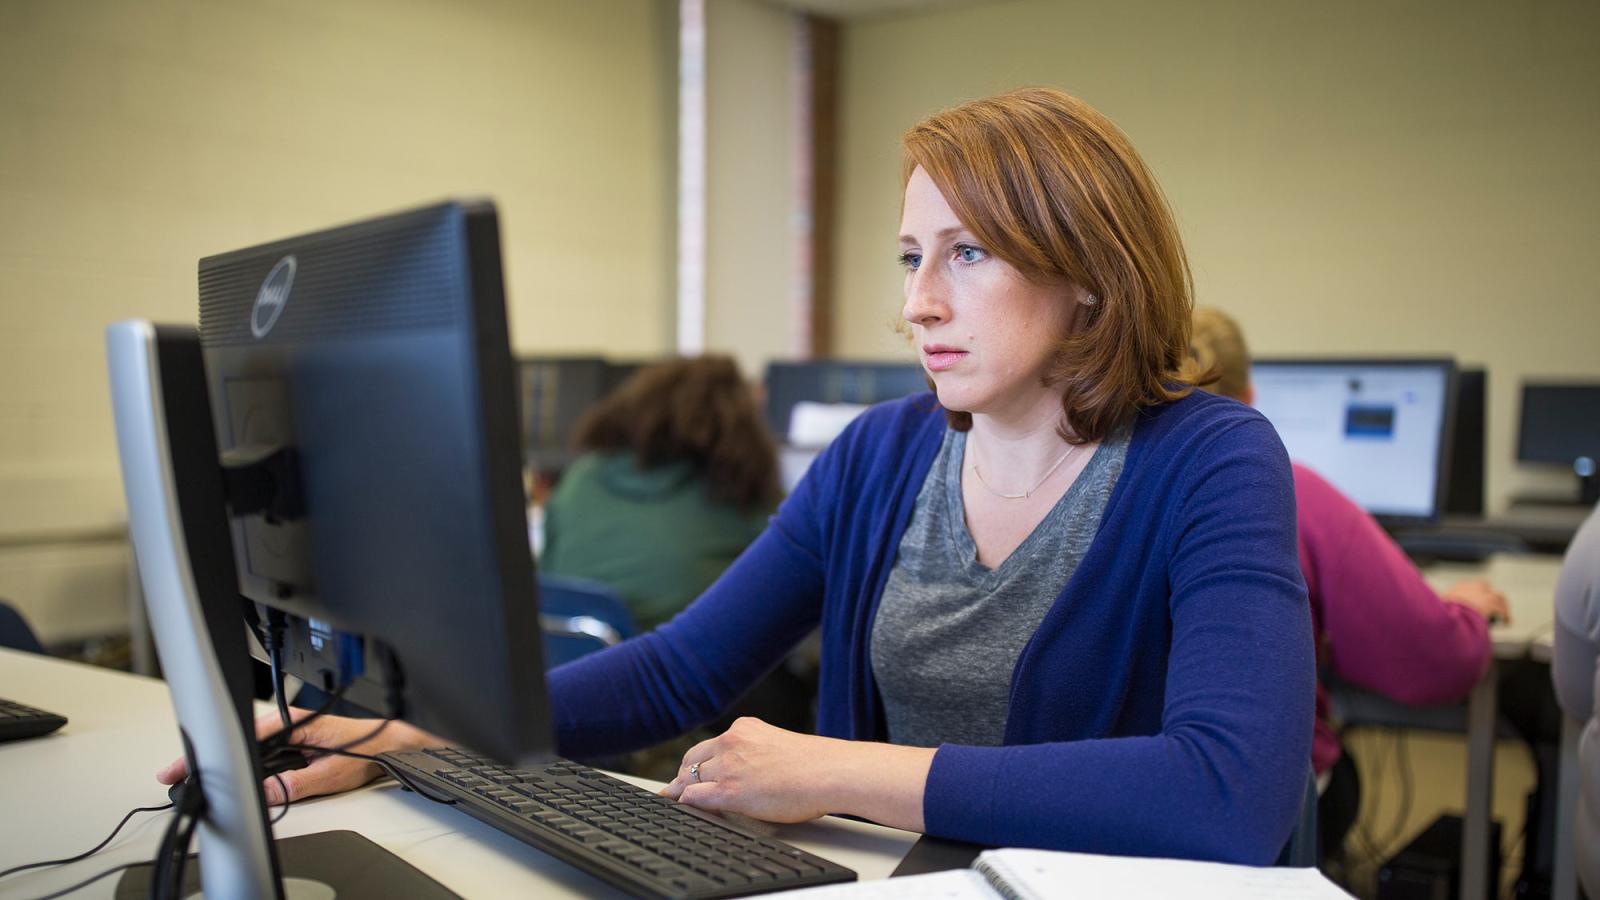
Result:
<point x="750" y="139"/>
<point x="138" y="137"/>
<point x="1366" y="177"/>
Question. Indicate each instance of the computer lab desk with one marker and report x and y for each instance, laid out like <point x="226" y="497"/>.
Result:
<point x="1529" y="584"/>
<point x="62" y="794"/>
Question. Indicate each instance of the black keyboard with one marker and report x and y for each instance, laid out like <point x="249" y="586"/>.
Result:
<point x="18" y="721"/>
<point x="637" y="840"/>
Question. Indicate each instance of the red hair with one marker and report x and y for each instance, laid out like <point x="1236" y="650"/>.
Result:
<point x="1055" y="189"/>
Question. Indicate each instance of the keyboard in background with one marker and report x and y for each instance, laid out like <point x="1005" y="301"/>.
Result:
<point x="635" y="839"/>
<point x="18" y="721"/>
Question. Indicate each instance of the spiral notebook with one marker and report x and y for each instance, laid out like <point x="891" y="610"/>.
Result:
<point x="1040" y="874"/>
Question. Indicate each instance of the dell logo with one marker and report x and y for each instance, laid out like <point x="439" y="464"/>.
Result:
<point x="273" y="295"/>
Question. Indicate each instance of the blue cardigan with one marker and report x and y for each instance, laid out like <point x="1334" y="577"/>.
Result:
<point x="1163" y="707"/>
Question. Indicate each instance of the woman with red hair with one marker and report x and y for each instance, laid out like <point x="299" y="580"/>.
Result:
<point x="1059" y="598"/>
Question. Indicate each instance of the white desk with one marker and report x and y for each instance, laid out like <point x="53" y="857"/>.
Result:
<point x="1529" y="584"/>
<point x="64" y="793"/>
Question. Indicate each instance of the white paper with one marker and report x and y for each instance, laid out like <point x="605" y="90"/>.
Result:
<point x="1084" y="876"/>
<point x="1049" y="874"/>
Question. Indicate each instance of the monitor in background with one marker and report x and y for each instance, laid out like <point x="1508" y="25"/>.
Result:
<point x="833" y="382"/>
<point x="1560" y="424"/>
<point x="619" y="371"/>
<point x="553" y="393"/>
<point x="1377" y="429"/>
<point x="1464" y="492"/>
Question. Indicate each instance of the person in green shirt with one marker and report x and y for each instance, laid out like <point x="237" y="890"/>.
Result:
<point x="676" y="475"/>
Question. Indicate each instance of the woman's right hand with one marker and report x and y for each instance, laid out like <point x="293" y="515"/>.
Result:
<point x="326" y="774"/>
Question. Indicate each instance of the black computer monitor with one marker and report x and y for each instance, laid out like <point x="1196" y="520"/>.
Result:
<point x="553" y="394"/>
<point x="1378" y="429"/>
<point x="835" y="381"/>
<point x="352" y="438"/>
<point x="1463" y="494"/>
<point x="1560" y="424"/>
<point x="382" y="372"/>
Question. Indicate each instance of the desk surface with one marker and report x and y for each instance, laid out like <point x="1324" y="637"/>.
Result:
<point x="64" y="793"/>
<point x="1529" y="583"/>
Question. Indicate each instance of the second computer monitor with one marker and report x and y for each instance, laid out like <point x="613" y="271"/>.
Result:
<point x="1560" y="423"/>
<point x="1378" y="429"/>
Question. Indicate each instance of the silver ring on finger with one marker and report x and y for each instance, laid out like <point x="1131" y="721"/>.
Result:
<point x="694" y="771"/>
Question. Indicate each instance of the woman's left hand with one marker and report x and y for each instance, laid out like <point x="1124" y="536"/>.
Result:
<point x="768" y="773"/>
<point x="758" y="770"/>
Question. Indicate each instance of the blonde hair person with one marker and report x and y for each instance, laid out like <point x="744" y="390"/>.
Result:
<point x="1378" y="623"/>
<point x="1058" y="598"/>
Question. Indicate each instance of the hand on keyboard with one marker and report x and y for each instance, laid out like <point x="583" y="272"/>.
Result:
<point x="325" y="774"/>
<point x="1480" y="596"/>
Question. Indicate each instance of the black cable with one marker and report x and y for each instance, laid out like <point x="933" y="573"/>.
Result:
<point x="88" y="881"/>
<point x="277" y="622"/>
<point x="181" y="857"/>
<point x="166" y="869"/>
<point x="285" y="789"/>
<point x="87" y="853"/>
<point x="383" y="764"/>
<point x="168" y="866"/>
<point x="273" y="760"/>
<point x="275" y="657"/>
<point x="278" y="757"/>
<point x="160" y="866"/>
<point x="325" y="709"/>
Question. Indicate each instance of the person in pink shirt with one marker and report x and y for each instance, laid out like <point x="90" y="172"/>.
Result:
<point x="1378" y="624"/>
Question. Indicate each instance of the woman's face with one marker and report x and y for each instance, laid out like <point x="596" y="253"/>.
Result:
<point x="985" y="334"/>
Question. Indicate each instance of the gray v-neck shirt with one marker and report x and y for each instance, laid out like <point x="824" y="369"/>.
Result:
<point x="949" y="630"/>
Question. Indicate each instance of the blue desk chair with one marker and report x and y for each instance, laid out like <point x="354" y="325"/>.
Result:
<point x="579" y="617"/>
<point x="14" y="631"/>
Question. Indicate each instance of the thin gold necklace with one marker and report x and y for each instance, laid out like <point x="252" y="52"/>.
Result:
<point x="1029" y="492"/>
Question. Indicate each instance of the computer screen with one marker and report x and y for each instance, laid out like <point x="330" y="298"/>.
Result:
<point x="834" y="382"/>
<point x="1463" y="494"/>
<point x="1559" y="423"/>
<point x="553" y="394"/>
<point x="1377" y="429"/>
<point x="366" y="372"/>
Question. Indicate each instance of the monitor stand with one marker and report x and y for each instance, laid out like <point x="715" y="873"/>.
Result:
<point x="177" y="520"/>
<point x="1588" y="482"/>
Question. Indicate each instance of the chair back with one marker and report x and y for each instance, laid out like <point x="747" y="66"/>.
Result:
<point x="579" y="617"/>
<point x="14" y="631"/>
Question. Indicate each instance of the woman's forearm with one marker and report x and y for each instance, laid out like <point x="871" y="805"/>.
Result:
<point x="883" y="783"/>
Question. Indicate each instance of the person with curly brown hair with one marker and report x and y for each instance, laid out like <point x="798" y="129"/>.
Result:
<point x="676" y="475"/>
